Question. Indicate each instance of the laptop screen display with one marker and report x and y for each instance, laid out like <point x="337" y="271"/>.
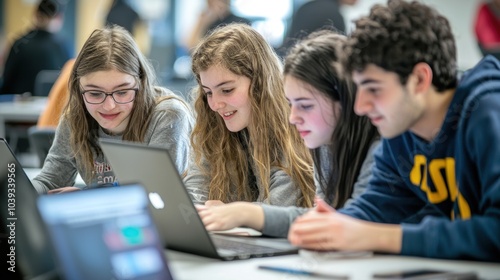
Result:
<point x="105" y="233"/>
<point x="179" y="224"/>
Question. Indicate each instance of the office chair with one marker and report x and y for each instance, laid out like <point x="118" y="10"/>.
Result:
<point x="44" y="81"/>
<point x="41" y="140"/>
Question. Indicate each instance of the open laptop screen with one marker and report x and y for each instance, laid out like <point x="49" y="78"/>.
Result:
<point x="24" y="244"/>
<point x="175" y="215"/>
<point x="105" y="233"/>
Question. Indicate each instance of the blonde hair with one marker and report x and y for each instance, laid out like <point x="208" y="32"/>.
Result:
<point x="110" y="48"/>
<point x="268" y="141"/>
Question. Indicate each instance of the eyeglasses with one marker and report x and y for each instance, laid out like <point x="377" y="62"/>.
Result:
<point x="121" y="96"/>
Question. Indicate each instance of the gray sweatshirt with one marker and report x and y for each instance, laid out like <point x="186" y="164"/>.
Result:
<point x="277" y="220"/>
<point x="169" y="128"/>
<point x="282" y="191"/>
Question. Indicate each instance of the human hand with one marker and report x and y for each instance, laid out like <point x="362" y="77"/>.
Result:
<point x="325" y="229"/>
<point x="210" y="203"/>
<point x="63" y="190"/>
<point x="231" y="215"/>
<point x="321" y="206"/>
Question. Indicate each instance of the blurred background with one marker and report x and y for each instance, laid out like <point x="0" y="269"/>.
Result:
<point x="163" y="28"/>
<point x="166" y="24"/>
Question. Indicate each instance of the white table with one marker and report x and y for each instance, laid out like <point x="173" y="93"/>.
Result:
<point x="21" y="111"/>
<point x="187" y="266"/>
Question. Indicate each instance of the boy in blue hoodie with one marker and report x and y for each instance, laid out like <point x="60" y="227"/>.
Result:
<point x="435" y="187"/>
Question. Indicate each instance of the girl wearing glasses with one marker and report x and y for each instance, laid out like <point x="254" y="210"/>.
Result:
<point x="244" y="147"/>
<point x="112" y="95"/>
<point x="340" y="141"/>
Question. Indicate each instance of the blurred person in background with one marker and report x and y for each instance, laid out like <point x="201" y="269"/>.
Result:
<point x="312" y="16"/>
<point x="487" y="27"/>
<point x="216" y="12"/>
<point x="123" y="14"/>
<point x="57" y="99"/>
<point x="39" y="49"/>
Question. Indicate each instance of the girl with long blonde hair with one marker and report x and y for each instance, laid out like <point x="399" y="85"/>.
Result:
<point x="322" y="109"/>
<point x="243" y="145"/>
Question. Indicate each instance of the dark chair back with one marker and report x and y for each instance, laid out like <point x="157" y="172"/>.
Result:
<point x="44" y="81"/>
<point x="41" y="140"/>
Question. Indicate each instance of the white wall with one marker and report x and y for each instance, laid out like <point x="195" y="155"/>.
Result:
<point x="460" y="13"/>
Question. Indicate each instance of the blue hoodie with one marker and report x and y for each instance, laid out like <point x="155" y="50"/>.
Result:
<point x="445" y="193"/>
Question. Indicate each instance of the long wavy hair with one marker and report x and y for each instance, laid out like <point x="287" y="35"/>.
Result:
<point x="316" y="62"/>
<point x="110" y="48"/>
<point x="268" y="141"/>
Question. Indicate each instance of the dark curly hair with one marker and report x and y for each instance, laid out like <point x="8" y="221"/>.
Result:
<point x="398" y="36"/>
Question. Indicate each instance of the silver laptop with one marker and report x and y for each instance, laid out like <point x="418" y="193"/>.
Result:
<point x="25" y="244"/>
<point x="173" y="210"/>
<point x="104" y="233"/>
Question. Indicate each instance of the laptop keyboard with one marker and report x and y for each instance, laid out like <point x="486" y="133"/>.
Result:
<point x="240" y="247"/>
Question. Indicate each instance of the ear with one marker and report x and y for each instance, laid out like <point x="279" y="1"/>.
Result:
<point x="422" y="73"/>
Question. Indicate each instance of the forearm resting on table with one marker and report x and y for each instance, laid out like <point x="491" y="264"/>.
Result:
<point x="385" y="238"/>
<point x="252" y="215"/>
